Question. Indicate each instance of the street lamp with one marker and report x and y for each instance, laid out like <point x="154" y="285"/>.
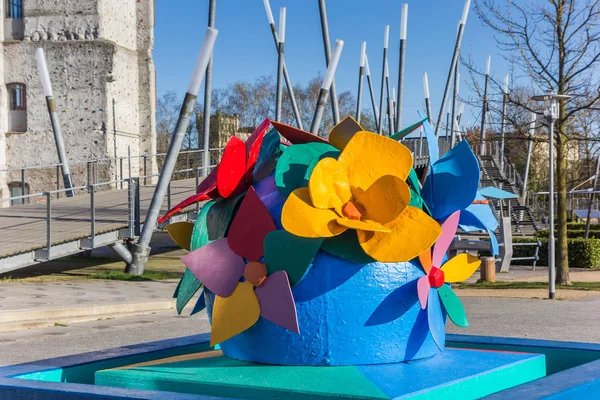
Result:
<point x="551" y="111"/>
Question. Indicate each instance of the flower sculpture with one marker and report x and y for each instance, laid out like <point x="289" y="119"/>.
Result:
<point x="252" y="251"/>
<point x="306" y="241"/>
<point x="364" y="190"/>
<point x="432" y="287"/>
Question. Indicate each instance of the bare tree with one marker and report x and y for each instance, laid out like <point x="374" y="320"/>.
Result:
<point x="553" y="45"/>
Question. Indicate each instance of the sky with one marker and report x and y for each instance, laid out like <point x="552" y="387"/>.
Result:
<point x="245" y="50"/>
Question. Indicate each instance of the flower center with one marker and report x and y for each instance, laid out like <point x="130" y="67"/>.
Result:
<point x="255" y="273"/>
<point x="353" y="210"/>
<point x="436" y="277"/>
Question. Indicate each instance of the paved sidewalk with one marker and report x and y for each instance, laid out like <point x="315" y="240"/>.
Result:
<point x="525" y="274"/>
<point x="29" y="305"/>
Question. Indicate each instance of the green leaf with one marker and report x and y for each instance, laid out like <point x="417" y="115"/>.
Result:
<point x="453" y="306"/>
<point x="188" y="286"/>
<point x="404" y="132"/>
<point x="346" y="246"/>
<point x="294" y="165"/>
<point x="290" y="253"/>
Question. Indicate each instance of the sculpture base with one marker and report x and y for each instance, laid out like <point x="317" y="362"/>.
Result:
<point x="457" y="373"/>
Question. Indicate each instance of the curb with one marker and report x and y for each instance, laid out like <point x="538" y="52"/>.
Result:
<point x="36" y="318"/>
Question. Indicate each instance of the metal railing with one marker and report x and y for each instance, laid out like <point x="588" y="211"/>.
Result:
<point x="117" y="170"/>
<point x="133" y="222"/>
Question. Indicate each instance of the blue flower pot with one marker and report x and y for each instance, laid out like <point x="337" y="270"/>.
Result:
<point x="348" y="313"/>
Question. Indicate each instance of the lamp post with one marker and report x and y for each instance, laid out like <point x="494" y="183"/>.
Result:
<point x="551" y="110"/>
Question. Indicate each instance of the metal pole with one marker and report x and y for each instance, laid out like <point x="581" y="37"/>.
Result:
<point x="589" y="213"/>
<point x="212" y="8"/>
<point x="370" y="83"/>
<point x="461" y="28"/>
<point x="447" y="127"/>
<point x="60" y="146"/>
<point x="332" y="92"/>
<point x="361" y="73"/>
<point x="142" y="249"/>
<point x="115" y="142"/>
<point x="93" y="215"/>
<point x="551" y="244"/>
<point x="129" y="161"/>
<point x="280" y="64"/>
<point x="286" y="76"/>
<point x="503" y="123"/>
<point x="57" y="182"/>
<point x="484" y="107"/>
<point x="427" y="98"/>
<point x="386" y="37"/>
<point x="327" y="81"/>
<point x="403" y="27"/>
<point x="49" y="224"/>
<point x="22" y="185"/>
<point x="454" y="104"/>
<point x="390" y="102"/>
<point x="529" y="151"/>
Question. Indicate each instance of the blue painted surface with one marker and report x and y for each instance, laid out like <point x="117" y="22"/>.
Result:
<point x="452" y="182"/>
<point x="432" y="142"/>
<point x="580" y="378"/>
<point x="451" y="370"/>
<point x="341" y="309"/>
<point x="493" y="192"/>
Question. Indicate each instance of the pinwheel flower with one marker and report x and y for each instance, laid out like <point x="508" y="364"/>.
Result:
<point x="432" y="287"/>
<point x="242" y="164"/>
<point x="364" y="190"/>
<point x="255" y="251"/>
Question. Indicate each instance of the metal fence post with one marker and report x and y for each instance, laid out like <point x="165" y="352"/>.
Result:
<point x="92" y="190"/>
<point x="48" y="224"/>
<point x="169" y="196"/>
<point x="57" y="182"/>
<point x="197" y="184"/>
<point x="89" y="174"/>
<point x="131" y="206"/>
<point x="121" y="170"/>
<point x="187" y="164"/>
<point x="137" y="210"/>
<point x="23" y="185"/>
<point x="129" y="161"/>
<point x="95" y="171"/>
<point x="145" y="173"/>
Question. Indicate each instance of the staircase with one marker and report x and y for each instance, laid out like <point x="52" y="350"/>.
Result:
<point x="504" y="176"/>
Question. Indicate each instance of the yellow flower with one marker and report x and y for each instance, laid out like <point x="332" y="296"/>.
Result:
<point x="365" y="190"/>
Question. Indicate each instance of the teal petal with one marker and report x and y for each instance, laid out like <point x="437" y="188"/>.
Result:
<point x="296" y="163"/>
<point x="453" y="306"/>
<point x="289" y="253"/>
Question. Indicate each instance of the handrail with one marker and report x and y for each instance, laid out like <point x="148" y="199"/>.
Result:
<point x="104" y="159"/>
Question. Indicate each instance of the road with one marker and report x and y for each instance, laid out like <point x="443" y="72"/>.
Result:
<point x="541" y="319"/>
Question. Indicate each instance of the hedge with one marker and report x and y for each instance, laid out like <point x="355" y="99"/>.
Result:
<point x="581" y="226"/>
<point x="578" y="233"/>
<point x="582" y="253"/>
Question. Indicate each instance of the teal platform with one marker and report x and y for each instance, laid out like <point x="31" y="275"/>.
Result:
<point x="457" y="373"/>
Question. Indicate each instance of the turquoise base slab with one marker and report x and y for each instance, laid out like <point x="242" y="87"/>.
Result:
<point x="455" y="374"/>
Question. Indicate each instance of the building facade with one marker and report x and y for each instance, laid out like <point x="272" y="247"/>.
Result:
<point x="99" y="55"/>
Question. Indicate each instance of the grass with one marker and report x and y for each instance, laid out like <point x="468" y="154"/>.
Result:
<point x="111" y="275"/>
<point x="585" y="286"/>
<point x="60" y="324"/>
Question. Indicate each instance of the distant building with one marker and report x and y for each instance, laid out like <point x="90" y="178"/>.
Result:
<point x="99" y="53"/>
<point x="222" y="128"/>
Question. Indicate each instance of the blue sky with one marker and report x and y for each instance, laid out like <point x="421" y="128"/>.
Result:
<point x="245" y="49"/>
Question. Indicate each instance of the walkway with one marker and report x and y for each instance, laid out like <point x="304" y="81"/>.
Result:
<point x="24" y="229"/>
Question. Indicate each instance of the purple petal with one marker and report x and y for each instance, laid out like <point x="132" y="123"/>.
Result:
<point x="216" y="266"/>
<point x="276" y="301"/>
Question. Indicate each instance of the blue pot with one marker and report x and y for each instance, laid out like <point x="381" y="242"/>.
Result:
<point x="348" y="313"/>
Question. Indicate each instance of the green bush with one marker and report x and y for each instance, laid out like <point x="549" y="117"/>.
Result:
<point x="582" y="253"/>
<point x="573" y="234"/>
<point x="581" y="226"/>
